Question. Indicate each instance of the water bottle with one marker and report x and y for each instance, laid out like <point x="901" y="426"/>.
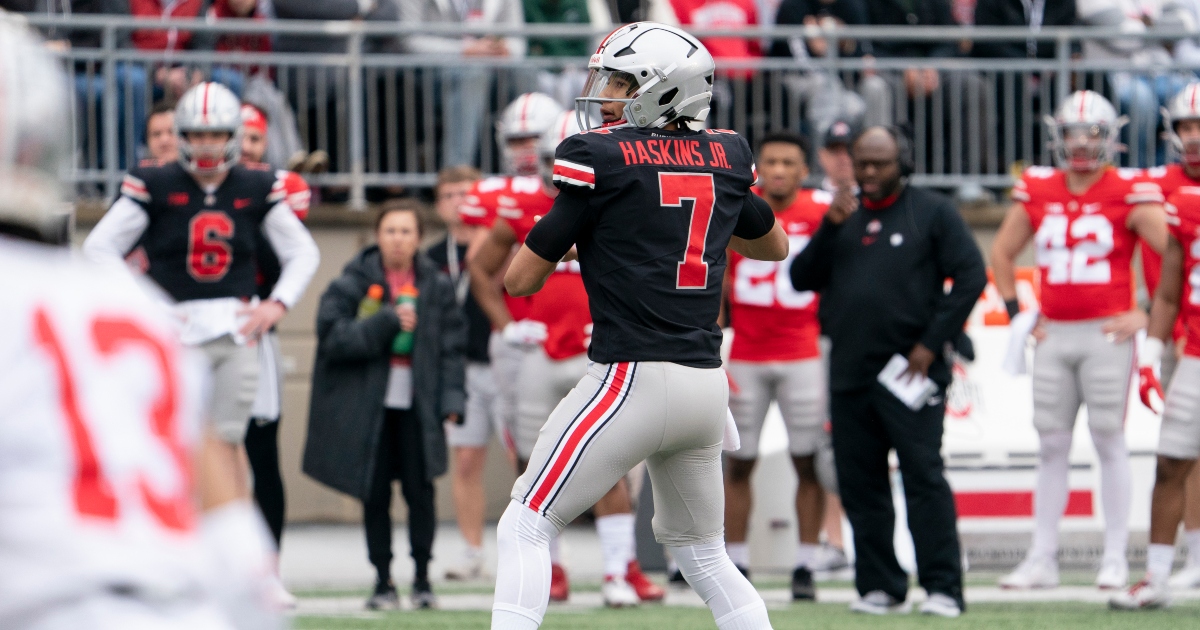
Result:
<point x="403" y="343"/>
<point x="372" y="303"/>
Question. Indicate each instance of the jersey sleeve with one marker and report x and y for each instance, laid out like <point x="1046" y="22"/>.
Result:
<point x="299" y="195"/>
<point x="552" y="237"/>
<point x="134" y="186"/>
<point x="755" y="220"/>
<point x="574" y="164"/>
<point x="1144" y="190"/>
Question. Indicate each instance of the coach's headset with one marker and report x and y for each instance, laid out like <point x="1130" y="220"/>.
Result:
<point x="905" y="154"/>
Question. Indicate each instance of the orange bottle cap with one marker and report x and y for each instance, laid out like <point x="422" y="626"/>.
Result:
<point x="375" y="292"/>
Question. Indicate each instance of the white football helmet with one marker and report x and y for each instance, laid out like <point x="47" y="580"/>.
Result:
<point x="529" y="116"/>
<point x="564" y="127"/>
<point x="661" y="74"/>
<point x="35" y="127"/>
<point x="1185" y="106"/>
<point x="1084" y="132"/>
<point x="209" y="107"/>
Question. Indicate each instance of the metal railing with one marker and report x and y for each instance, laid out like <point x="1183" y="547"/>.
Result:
<point x="389" y="119"/>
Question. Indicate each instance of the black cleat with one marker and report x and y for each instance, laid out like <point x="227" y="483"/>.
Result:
<point x="422" y="595"/>
<point x="802" y="585"/>
<point x="384" y="597"/>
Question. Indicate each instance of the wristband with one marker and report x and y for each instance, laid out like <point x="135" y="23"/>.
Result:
<point x="1152" y="351"/>
<point x="1013" y="307"/>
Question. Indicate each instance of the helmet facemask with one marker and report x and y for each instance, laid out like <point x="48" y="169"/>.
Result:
<point x="1083" y="146"/>
<point x="521" y="155"/>
<point x="208" y="159"/>
<point x="604" y="87"/>
<point x="1187" y="149"/>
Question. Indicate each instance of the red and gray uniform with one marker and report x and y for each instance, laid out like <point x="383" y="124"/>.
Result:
<point x="202" y="246"/>
<point x="1084" y="248"/>
<point x="651" y="213"/>
<point x="775" y="354"/>
<point x="1179" y="436"/>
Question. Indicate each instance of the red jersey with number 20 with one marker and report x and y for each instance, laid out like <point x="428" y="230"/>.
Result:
<point x="1183" y="220"/>
<point x="1083" y="244"/>
<point x="771" y="320"/>
<point x="562" y="303"/>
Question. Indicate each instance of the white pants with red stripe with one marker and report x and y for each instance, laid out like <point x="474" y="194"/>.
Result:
<point x="618" y="415"/>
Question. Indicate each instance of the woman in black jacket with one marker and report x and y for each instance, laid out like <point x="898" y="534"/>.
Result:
<point x="377" y="410"/>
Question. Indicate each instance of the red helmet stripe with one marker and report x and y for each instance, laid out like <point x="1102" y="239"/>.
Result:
<point x="204" y="104"/>
<point x="1195" y="88"/>
<point x="1082" y="103"/>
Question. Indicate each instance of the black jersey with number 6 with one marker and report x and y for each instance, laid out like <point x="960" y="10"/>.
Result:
<point x="202" y="244"/>
<point x="652" y="212"/>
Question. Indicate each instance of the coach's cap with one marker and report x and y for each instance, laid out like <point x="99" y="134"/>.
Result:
<point x="840" y="132"/>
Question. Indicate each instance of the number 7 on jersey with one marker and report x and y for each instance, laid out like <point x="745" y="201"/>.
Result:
<point x="674" y="188"/>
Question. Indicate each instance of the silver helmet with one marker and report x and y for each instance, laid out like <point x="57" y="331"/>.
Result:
<point x="1084" y="132"/>
<point x="1185" y="106"/>
<point x="661" y="74"/>
<point x="529" y="116"/>
<point x="209" y="107"/>
<point x="35" y="132"/>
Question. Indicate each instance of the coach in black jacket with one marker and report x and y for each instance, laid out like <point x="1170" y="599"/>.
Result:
<point x="881" y="272"/>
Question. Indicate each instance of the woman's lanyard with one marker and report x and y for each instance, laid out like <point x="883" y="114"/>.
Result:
<point x="462" y="281"/>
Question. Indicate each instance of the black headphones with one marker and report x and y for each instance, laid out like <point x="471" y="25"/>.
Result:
<point x="904" y="154"/>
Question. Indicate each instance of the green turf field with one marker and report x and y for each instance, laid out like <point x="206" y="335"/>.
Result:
<point x="1056" y="616"/>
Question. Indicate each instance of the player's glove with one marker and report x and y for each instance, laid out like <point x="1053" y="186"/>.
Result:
<point x="1149" y="387"/>
<point x="526" y="333"/>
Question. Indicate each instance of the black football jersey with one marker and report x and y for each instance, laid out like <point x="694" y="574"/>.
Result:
<point x="202" y="245"/>
<point x="652" y="212"/>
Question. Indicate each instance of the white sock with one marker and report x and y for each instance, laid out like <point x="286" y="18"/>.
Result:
<point x="1116" y="492"/>
<point x="1050" y="499"/>
<point x="616" y="542"/>
<point x="1192" y="536"/>
<point x="555" y="551"/>
<point x="523" y="568"/>
<point x="805" y="554"/>
<point x="1158" y="562"/>
<point x="739" y="553"/>
<point x="474" y="552"/>
<point x="729" y="595"/>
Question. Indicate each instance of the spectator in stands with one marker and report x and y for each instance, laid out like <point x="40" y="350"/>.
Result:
<point x="564" y="86"/>
<point x="379" y="402"/>
<point x="936" y="126"/>
<point x="1139" y="95"/>
<point x="161" y="143"/>
<point x="729" y="15"/>
<point x="234" y="77"/>
<point x="171" y="79"/>
<point x="824" y="93"/>
<point x="464" y="95"/>
<point x="1034" y="16"/>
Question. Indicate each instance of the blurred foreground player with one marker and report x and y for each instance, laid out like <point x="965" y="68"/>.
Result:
<point x="205" y="219"/>
<point x="1084" y="218"/>
<point x="1179" y="436"/>
<point x="651" y="234"/>
<point x="103" y="452"/>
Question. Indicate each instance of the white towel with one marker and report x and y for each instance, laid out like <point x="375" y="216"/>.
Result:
<point x="731" y="441"/>
<point x="1019" y="328"/>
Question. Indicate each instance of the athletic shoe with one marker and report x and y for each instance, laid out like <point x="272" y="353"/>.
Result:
<point x="646" y="590"/>
<point x="880" y="603"/>
<point x="1188" y="577"/>
<point x="1144" y="595"/>
<point x="422" y="595"/>
<point x="384" y="598"/>
<point x="831" y="564"/>
<point x="280" y="595"/>
<point x="941" y="605"/>
<point x="471" y="568"/>
<point x="560" y="587"/>
<point x="617" y="593"/>
<point x="802" y="585"/>
<point x="1114" y="575"/>
<point x="1033" y="572"/>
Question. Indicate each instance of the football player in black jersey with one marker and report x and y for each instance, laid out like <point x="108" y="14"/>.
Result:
<point x="650" y="206"/>
<point x="199" y="219"/>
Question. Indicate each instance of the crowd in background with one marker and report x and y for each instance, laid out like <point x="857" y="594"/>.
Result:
<point x="464" y="97"/>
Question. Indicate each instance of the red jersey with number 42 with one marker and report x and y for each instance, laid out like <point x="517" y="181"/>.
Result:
<point x="771" y="320"/>
<point x="100" y="411"/>
<point x="562" y="303"/>
<point x="1183" y="220"/>
<point x="1083" y="244"/>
